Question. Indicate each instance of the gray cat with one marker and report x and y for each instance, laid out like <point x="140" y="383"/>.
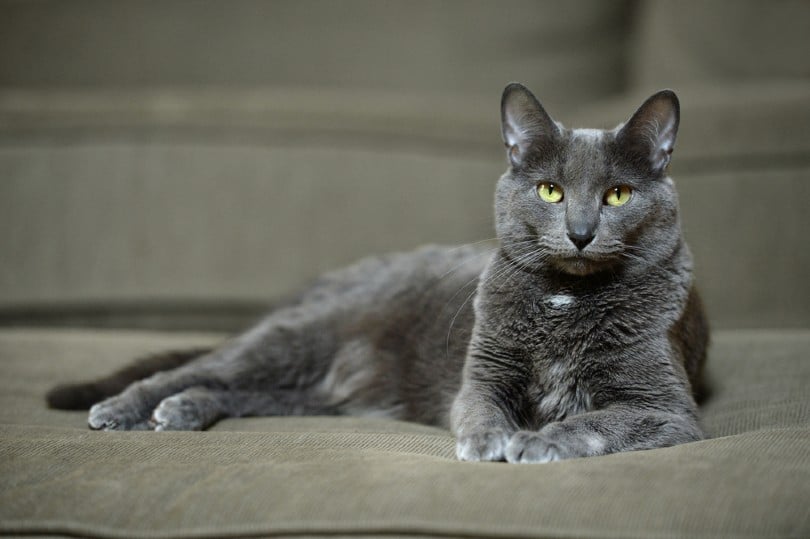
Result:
<point x="585" y="337"/>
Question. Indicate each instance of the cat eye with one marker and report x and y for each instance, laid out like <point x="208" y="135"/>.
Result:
<point x="550" y="192"/>
<point x="618" y="196"/>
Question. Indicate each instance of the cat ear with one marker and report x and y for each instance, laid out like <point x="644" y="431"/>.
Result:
<point x="524" y="123"/>
<point x="649" y="135"/>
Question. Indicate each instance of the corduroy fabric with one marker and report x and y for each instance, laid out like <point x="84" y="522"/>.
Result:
<point x="350" y="476"/>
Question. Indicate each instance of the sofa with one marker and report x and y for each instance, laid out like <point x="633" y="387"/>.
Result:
<point x="170" y="170"/>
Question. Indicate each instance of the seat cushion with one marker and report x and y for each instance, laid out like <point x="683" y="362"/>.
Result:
<point x="331" y="476"/>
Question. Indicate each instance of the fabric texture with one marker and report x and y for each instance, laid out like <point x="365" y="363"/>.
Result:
<point x="331" y="476"/>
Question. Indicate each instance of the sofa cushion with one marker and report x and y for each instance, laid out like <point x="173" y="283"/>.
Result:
<point x="326" y="476"/>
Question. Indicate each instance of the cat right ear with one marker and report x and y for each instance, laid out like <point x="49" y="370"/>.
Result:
<point x="649" y="135"/>
<point x="524" y="123"/>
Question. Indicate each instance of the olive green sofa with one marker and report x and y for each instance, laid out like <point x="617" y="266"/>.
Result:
<point x="168" y="170"/>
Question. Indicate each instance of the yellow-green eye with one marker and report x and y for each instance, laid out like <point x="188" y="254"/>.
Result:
<point x="550" y="192"/>
<point x="618" y="196"/>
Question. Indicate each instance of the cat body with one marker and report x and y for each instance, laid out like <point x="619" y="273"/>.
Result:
<point x="580" y="333"/>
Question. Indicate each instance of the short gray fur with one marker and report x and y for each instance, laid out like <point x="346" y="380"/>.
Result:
<point x="578" y="333"/>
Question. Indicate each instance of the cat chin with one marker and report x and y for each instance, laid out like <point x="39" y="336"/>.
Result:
<point x="581" y="267"/>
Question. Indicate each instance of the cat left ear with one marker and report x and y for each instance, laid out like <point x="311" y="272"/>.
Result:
<point x="649" y="135"/>
<point x="524" y="123"/>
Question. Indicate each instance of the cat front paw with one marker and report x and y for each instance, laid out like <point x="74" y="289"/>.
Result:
<point x="533" y="447"/>
<point x="486" y="445"/>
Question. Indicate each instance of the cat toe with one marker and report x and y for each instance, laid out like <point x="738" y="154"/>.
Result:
<point x="178" y="412"/>
<point x="100" y="419"/>
<point x="112" y="415"/>
<point x="531" y="447"/>
<point x="482" y="446"/>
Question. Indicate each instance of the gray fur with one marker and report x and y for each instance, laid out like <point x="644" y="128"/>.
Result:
<point x="580" y="333"/>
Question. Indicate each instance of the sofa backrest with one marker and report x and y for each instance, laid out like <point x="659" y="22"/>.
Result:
<point x="137" y="187"/>
<point x="720" y="41"/>
<point x="412" y="47"/>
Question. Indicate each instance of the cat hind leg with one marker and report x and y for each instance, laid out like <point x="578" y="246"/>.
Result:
<point x="192" y="409"/>
<point x="197" y="408"/>
<point x="81" y="396"/>
<point x="132" y="408"/>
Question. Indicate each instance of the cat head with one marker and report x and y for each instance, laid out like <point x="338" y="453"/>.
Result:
<point x="581" y="201"/>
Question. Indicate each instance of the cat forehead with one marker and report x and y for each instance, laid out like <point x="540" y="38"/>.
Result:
<point x="588" y="135"/>
<point x="578" y="155"/>
<point x="585" y="154"/>
<point x="582" y="155"/>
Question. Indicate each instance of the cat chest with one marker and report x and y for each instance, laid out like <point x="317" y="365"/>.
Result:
<point x="562" y="325"/>
<point x="559" y="392"/>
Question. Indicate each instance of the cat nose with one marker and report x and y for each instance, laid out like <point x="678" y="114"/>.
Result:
<point x="581" y="222"/>
<point x="581" y="237"/>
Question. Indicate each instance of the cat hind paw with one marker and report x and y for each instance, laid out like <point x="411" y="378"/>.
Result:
<point x="112" y="414"/>
<point x="193" y="409"/>
<point x="178" y="412"/>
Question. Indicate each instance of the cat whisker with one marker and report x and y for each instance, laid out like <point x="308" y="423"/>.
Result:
<point x="498" y="275"/>
<point x="476" y="255"/>
<point x="637" y="253"/>
<point x="631" y="256"/>
<point x="460" y="265"/>
<point x="466" y="261"/>
<point x="516" y="266"/>
<point x="453" y="320"/>
<point x="509" y="269"/>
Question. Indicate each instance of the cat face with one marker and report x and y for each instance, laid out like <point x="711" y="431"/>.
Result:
<point x="583" y="201"/>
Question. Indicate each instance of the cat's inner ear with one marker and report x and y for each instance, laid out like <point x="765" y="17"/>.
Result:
<point x="649" y="135"/>
<point x="525" y="125"/>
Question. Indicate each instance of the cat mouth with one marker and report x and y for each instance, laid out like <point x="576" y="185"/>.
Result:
<point x="584" y="263"/>
<point x="592" y="259"/>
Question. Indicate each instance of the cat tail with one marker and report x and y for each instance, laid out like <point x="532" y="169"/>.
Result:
<point x="83" y="395"/>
